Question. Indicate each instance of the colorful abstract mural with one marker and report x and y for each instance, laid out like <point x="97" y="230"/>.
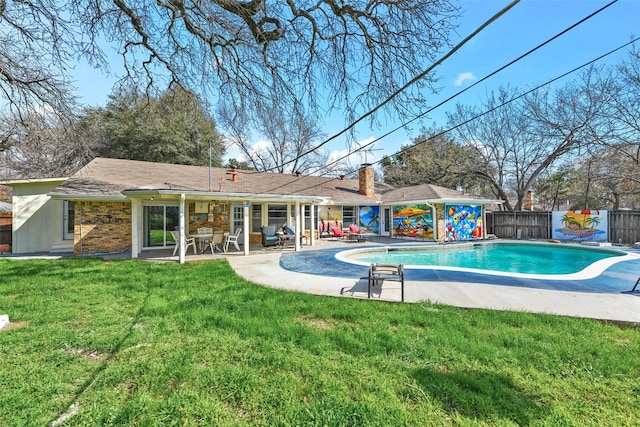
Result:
<point x="413" y="221"/>
<point x="463" y="222"/>
<point x="585" y="225"/>
<point x="369" y="219"/>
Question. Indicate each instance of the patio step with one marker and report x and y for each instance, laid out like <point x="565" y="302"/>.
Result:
<point x="61" y="246"/>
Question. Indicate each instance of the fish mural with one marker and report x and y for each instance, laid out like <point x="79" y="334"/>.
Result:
<point x="413" y="221"/>
<point x="463" y="222"/>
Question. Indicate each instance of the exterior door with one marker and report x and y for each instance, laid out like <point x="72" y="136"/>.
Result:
<point x="237" y="221"/>
<point x="68" y="220"/>
<point x="385" y="230"/>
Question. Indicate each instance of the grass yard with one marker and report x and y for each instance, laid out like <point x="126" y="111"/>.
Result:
<point x="132" y="343"/>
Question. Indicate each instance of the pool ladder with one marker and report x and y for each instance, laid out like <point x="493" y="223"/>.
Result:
<point x="636" y="285"/>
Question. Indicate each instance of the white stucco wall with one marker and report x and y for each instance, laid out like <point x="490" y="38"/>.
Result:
<point x="37" y="219"/>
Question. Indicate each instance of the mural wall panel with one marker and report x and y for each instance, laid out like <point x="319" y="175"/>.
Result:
<point x="463" y="222"/>
<point x="585" y="225"/>
<point x="414" y="221"/>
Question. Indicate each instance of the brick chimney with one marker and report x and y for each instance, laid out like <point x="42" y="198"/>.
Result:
<point x="528" y="201"/>
<point x="366" y="180"/>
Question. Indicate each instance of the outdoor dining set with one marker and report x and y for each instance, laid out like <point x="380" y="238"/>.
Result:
<point x="207" y="238"/>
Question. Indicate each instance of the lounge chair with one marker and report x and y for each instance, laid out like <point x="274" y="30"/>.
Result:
<point x="355" y="233"/>
<point x="337" y="232"/>
<point x="269" y="236"/>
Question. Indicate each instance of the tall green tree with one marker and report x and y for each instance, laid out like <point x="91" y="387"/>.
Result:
<point x="435" y="159"/>
<point x="170" y="128"/>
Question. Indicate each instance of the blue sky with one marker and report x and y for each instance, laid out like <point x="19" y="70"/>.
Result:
<point x="525" y="26"/>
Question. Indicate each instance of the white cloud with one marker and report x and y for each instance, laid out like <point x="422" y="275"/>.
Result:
<point x="464" y="77"/>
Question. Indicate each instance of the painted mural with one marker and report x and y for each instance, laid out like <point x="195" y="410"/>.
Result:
<point x="463" y="222"/>
<point x="413" y="221"/>
<point x="369" y="219"/>
<point x="585" y="225"/>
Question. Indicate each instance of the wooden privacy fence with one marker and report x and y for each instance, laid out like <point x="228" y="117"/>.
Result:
<point x="623" y="226"/>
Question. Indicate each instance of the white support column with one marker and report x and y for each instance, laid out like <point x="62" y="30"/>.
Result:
<point x="312" y="218"/>
<point x="303" y="210"/>
<point x="297" y="225"/>
<point x="181" y="229"/>
<point x="136" y="215"/>
<point x="245" y="225"/>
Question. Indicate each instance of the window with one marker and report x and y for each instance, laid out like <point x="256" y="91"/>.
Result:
<point x="158" y="221"/>
<point x="256" y="218"/>
<point x="307" y="216"/>
<point x="348" y="215"/>
<point x="277" y="215"/>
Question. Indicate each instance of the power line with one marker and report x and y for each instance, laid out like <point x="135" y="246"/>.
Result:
<point x="491" y="75"/>
<point x="561" y="76"/>
<point x="411" y="82"/>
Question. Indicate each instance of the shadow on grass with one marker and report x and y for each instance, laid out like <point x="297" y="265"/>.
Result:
<point x="486" y="397"/>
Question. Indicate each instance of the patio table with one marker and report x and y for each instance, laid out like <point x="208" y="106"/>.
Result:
<point x="202" y="238"/>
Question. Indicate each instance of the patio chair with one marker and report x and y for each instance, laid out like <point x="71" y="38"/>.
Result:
<point x="188" y="241"/>
<point x="216" y="241"/>
<point x="288" y="235"/>
<point x="337" y="232"/>
<point x="269" y="236"/>
<point x="232" y="238"/>
<point x="355" y="233"/>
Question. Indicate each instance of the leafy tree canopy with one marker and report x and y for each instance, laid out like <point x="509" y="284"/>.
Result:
<point x="170" y="128"/>
<point x="435" y="160"/>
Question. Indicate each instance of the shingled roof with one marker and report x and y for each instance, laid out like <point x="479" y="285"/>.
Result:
<point x="113" y="178"/>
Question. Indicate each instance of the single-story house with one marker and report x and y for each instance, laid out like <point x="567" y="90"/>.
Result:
<point x="114" y="205"/>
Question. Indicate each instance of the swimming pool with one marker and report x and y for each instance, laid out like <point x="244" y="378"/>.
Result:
<point x="533" y="260"/>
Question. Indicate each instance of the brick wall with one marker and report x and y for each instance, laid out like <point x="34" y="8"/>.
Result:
<point x="102" y="227"/>
<point x="220" y="215"/>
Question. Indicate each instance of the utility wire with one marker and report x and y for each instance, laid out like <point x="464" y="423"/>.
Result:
<point x="482" y="113"/>
<point x="365" y="146"/>
<point x="487" y="77"/>
<point x="411" y="82"/>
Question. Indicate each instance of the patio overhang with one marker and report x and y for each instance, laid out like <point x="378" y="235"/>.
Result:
<point x="89" y="197"/>
<point x="231" y="197"/>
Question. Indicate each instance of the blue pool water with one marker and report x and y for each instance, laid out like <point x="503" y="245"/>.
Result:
<point x="537" y="259"/>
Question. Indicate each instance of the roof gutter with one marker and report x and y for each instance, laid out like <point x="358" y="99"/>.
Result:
<point x="226" y="196"/>
<point x="10" y="183"/>
<point x="87" y="197"/>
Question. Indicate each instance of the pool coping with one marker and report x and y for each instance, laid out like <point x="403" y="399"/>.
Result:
<point x="592" y="271"/>
<point x="267" y="269"/>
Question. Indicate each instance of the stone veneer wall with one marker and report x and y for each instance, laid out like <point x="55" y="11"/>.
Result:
<point x="102" y="227"/>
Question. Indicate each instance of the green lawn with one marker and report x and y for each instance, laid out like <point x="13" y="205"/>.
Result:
<point x="132" y="343"/>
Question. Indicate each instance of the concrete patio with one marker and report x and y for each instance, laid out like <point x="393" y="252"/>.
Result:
<point x="264" y="266"/>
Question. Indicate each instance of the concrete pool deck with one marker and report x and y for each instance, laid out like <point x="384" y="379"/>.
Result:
<point x="266" y="268"/>
<point x="289" y="270"/>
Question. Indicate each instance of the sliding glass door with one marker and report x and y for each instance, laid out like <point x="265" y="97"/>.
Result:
<point x="158" y="221"/>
